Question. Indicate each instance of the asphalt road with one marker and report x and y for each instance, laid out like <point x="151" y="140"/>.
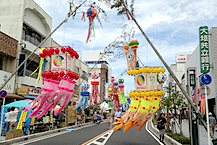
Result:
<point x="78" y="137"/>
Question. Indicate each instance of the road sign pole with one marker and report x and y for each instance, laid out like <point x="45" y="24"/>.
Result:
<point x="2" y="115"/>
<point x="207" y="116"/>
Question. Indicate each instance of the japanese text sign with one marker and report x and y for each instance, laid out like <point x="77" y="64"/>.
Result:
<point x="204" y="49"/>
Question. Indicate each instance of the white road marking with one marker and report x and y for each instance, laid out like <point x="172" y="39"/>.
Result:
<point x="105" y="138"/>
<point x="146" y="127"/>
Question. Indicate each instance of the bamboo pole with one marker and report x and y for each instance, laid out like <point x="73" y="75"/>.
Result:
<point x="64" y="21"/>
<point x="198" y="114"/>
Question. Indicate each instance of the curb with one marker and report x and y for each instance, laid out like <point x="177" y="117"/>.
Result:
<point x="23" y="138"/>
<point x="167" y="140"/>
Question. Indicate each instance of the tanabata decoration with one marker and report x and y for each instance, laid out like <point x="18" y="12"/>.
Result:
<point x="116" y="101"/>
<point x="145" y="100"/>
<point x="59" y="82"/>
<point x="83" y="102"/>
<point x="122" y="98"/>
<point x="110" y="98"/>
<point x="95" y="91"/>
<point x="91" y="14"/>
<point x="131" y="54"/>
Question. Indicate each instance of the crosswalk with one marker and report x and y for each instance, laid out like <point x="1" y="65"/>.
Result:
<point x="100" y="139"/>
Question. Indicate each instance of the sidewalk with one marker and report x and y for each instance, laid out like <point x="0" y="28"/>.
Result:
<point x="2" y="138"/>
<point x="203" y="138"/>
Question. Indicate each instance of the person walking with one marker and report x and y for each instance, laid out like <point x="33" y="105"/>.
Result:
<point x="212" y="123"/>
<point x="118" y="114"/>
<point x="161" y="126"/>
<point x="13" y="117"/>
<point x="110" y="118"/>
<point x="7" y="121"/>
<point x="95" y="117"/>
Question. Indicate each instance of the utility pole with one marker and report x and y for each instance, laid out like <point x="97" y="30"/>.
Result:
<point x="193" y="120"/>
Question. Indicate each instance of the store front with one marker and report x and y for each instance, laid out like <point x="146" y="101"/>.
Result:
<point x="29" y="92"/>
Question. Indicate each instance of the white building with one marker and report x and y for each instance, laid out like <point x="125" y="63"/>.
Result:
<point x="178" y="69"/>
<point x="194" y="61"/>
<point x="27" y="22"/>
<point x="98" y="60"/>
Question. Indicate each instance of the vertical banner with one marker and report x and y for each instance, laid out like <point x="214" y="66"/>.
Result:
<point x="152" y="81"/>
<point x="22" y="119"/>
<point x="204" y="49"/>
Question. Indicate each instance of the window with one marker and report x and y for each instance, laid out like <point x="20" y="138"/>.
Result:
<point x="31" y="35"/>
<point x="77" y="69"/>
<point x="30" y="68"/>
<point x="3" y="62"/>
<point x="84" y="75"/>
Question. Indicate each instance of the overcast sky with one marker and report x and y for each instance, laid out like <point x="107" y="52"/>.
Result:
<point x="172" y="26"/>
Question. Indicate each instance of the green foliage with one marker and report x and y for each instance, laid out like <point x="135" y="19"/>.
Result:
<point x="174" y="99"/>
<point x="16" y="131"/>
<point x="63" y="123"/>
<point x="180" y="138"/>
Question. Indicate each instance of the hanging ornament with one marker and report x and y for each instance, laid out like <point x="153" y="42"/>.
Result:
<point x="83" y="102"/>
<point x="91" y="14"/>
<point x="59" y="82"/>
<point x="95" y="91"/>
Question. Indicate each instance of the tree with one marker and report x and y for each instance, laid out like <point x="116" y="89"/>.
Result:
<point x="172" y="102"/>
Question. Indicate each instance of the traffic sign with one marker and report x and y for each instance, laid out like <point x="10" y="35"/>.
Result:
<point x="206" y="79"/>
<point x="3" y="94"/>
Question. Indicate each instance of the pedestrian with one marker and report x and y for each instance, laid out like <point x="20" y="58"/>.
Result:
<point x="110" y="118"/>
<point x="118" y="114"/>
<point x="95" y="117"/>
<point x="173" y="124"/>
<point x="212" y="123"/>
<point x="7" y="121"/>
<point x="161" y="126"/>
<point x="99" y="118"/>
<point x="13" y="117"/>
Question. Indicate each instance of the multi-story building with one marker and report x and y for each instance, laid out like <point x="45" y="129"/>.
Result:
<point x="29" y="24"/>
<point x="8" y="53"/>
<point x="178" y="69"/>
<point x="97" y="61"/>
<point x="194" y="61"/>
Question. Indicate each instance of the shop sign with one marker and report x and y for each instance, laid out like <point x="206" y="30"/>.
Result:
<point x="23" y="91"/>
<point x="34" y="91"/>
<point x="204" y="49"/>
<point x="9" y="87"/>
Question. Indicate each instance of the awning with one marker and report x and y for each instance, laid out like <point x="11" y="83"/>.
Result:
<point x="13" y="96"/>
<point x="30" y="96"/>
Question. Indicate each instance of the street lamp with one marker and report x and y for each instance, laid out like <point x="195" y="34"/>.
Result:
<point x="193" y="121"/>
<point x="192" y="78"/>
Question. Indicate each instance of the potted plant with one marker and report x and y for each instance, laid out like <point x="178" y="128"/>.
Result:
<point x="14" y="134"/>
<point x="63" y="124"/>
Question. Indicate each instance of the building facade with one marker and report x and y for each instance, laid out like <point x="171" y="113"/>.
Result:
<point x="194" y="61"/>
<point x="8" y="53"/>
<point x="178" y="69"/>
<point x="97" y="60"/>
<point x="29" y="24"/>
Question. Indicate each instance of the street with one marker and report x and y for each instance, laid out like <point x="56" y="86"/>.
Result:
<point x="89" y="135"/>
